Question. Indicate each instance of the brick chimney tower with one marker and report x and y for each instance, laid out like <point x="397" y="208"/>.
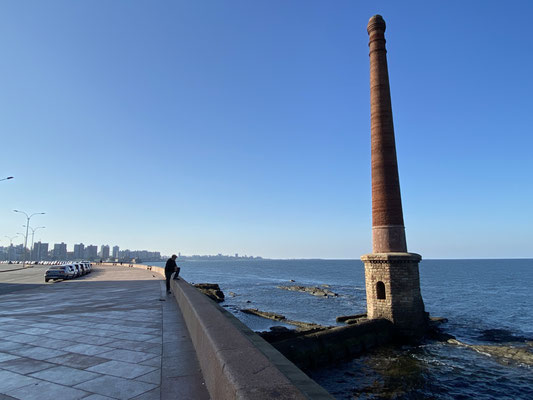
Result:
<point x="391" y="273"/>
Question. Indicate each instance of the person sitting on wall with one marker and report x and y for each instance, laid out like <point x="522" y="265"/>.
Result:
<point x="170" y="268"/>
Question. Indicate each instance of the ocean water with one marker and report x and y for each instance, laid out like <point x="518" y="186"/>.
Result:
<point x="487" y="302"/>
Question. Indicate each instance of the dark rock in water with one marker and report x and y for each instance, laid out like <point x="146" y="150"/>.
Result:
<point x="292" y="280"/>
<point x="279" y="329"/>
<point x="500" y="336"/>
<point x="435" y="332"/>
<point x="315" y="291"/>
<point x="279" y="317"/>
<point x="211" y="290"/>
<point x="264" y="314"/>
<point x="248" y="301"/>
<point x="352" y="321"/>
<point x="345" y="318"/>
<point x="504" y="354"/>
<point x="278" y="333"/>
<point x="232" y="294"/>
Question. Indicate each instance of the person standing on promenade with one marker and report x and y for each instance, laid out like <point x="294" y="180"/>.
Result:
<point x="170" y="268"/>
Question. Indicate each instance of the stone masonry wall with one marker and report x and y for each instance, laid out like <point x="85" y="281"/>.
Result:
<point x="403" y="304"/>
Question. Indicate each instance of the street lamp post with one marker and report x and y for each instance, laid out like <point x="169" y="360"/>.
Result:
<point x="26" y="237"/>
<point x="32" y="236"/>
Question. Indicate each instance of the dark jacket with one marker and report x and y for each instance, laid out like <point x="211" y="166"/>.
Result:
<point x="171" y="265"/>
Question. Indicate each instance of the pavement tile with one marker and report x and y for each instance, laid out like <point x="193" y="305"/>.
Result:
<point x="6" y="397"/>
<point x="37" y="353"/>
<point x="9" y="345"/>
<point x="151" y="377"/>
<point x="53" y="343"/>
<point x="34" y="331"/>
<point x="75" y="360"/>
<point x="140" y="329"/>
<point x="6" y="320"/>
<point x="171" y="349"/>
<point x="65" y="375"/>
<point x="10" y="381"/>
<point x="87" y="349"/>
<point x="96" y="397"/>
<point x="60" y="335"/>
<point x="127" y="355"/>
<point x="154" y="348"/>
<point x="184" y="365"/>
<point x="25" y="365"/>
<point x="121" y="369"/>
<point x="151" y="395"/>
<point x="14" y="325"/>
<point x="73" y="329"/>
<point x="78" y="323"/>
<point x="141" y="337"/>
<point x="45" y="325"/>
<point x="96" y="340"/>
<point x="102" y="332"/>
<point x="7" y="357"/>
<point x="156" y="324"/>
<point x="116" y="387"/>
<point x="152" y="362"/>
<point x="22" y="338"/>
<point x="184" y="388"/>
<point x="47" y="391"/>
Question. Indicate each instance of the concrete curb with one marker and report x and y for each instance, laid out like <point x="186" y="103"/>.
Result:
<point x="237" y="363"/>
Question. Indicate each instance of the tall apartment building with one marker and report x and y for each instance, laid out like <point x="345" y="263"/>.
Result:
<point x="91" y="252"/>
<point x="115" y="252"/>
<point x="104" y="252"/>
<point x="40" y="251"/>
<point x="79" y="251"/>
<point x="16" y="252"/>
<point x="60" y="251"/>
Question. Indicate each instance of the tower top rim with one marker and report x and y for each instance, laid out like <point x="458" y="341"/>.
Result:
<point x="376" y="22"/>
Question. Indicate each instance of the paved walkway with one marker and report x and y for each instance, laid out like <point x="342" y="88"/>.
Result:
<point x="107" y="335"/>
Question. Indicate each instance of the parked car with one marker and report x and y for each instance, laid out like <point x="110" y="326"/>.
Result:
<point x="77" y="271"/>
<point x="59" y="272"/>
<point x="88" y="267"/>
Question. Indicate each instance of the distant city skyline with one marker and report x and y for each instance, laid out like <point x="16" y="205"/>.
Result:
<point x="204" y="128"/>
<point x="59" y="251"/>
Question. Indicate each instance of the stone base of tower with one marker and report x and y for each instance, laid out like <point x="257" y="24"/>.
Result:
<point x="393" y="292"/>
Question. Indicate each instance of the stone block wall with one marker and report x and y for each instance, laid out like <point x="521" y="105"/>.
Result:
<point x="393" y="291"/>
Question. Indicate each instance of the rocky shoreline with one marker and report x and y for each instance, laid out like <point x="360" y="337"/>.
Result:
<point x="289" y="340"/>
<point x="314" y="290"/>
<point x="211" y="290"/>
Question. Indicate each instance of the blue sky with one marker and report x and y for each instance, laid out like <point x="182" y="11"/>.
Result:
<point x="244" y="126"/>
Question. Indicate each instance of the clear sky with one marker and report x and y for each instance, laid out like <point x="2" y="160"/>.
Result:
<point x="243" y="126"/>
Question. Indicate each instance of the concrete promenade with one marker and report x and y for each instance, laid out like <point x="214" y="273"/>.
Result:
<point x="113" y="334"/>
